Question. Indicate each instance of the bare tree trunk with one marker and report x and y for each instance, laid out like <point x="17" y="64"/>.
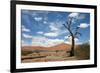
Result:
<point x="72" y="47"/>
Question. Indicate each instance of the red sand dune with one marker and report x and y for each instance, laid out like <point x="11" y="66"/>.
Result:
<point x="62" y="46"/>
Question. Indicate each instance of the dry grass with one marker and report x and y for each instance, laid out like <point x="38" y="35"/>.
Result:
<point x="83" y="52"/>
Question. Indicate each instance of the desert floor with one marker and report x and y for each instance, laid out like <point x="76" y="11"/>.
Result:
<point x="46" y="56"/>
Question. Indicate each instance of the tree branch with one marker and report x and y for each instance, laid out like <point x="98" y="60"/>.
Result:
<point x="65" y="26"/>
<point x="77" y="33"/>
<point x="69" y="22"/>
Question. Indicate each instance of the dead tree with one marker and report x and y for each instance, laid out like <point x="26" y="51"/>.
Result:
<point x="73" y="33"/>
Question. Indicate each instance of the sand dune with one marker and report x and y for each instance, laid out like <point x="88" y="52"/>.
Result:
<point x="61" y="46"/>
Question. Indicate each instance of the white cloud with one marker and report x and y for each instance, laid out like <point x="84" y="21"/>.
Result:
<point x="57" y="40"/>
<point x="63" y="31"/>
<point x="43" y="41"/>
<point x="55" y="33"/>
<point x="68" y="40"/>
<point x="51" y="34"/>
<point x="45" y="19"/>
<point x="40" y="32"/>
<point x="53" y="27"/>
<point x="78" y="43"/>
<point x="66" y="37"/>
<point x="38" y="18"/>
<point x="76" y="39"/>
<point x="74" y="15"/>
<point x="57" y="25"/>
<point x="26" y="36"/>
<point x="45" y="22"/>
<point x="83" y="25"/>
<point x="25" y="29"/>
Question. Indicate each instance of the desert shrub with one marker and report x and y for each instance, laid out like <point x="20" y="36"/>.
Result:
<point x="83" y="51"/>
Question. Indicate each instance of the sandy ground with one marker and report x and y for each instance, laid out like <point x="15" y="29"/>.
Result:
<point x="47" y="57"/>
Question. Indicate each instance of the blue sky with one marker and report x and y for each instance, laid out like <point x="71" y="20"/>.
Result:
<point x="40" y="26"/>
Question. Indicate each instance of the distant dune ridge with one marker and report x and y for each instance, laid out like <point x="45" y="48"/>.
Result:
<point x="62" y="46"/>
